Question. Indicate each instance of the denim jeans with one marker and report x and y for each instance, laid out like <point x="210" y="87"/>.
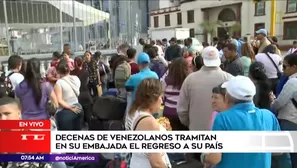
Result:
<point x="68" y="120"/>
<point x="289" y="126"/>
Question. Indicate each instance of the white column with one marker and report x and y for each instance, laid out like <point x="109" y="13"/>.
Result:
<point x="61" y="26"/>
<point x="7" y="28"/>
<point x="74" y="26"/>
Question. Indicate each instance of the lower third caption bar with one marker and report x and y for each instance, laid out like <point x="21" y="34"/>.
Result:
<point x="49" y="157"/>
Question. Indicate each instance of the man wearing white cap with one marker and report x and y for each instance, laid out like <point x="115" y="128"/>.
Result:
<point x="262" y="37"/>
<point x="242" y="115"/>
<point x="194" y="105"/>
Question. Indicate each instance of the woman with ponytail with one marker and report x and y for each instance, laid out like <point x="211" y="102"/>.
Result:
<point x="257" y="73"/>
<point x="34" y="93"/>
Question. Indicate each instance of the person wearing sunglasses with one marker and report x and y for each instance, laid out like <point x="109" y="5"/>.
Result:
<point x="283" y="104"/>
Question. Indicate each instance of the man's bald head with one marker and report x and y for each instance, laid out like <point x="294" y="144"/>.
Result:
<point x="9" y="109"/>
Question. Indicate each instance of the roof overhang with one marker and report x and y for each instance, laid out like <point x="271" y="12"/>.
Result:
<point x="46" y="13"/>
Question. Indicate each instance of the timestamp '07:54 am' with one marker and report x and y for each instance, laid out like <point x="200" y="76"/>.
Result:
<point x="31" y="157"/>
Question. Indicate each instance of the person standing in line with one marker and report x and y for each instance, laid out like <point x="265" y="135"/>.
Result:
<point x="242" y="115"/>
<point x="148" y="100"/>
<point x="156" y="64"/>
<point x="215" y="41"/>
<point x="131" y="53"/>
<point x="52" y="75"/>
<point x="173" y="51"/>
<point x="69" y="115"/>
<point x="195" y="92"/>
<point x="84" y="98"/>
<point x="13" y="77"/>
<point x="165" y="43"/>
<point x="103" y="70"/>
<point x="247" y="57"/>
<point x="263" y="86"/>
<point x="160" y="58"/>
<point x="293" y="49"/>
<point x="143" y="61"/>
<point x="34" y="93"/>
<point x="91" y="66"/>
<point x="274" y="41"/>
<point x="172" y="84"/>
<point x="67" y="56"/>
<point x="262" y="38"/>
<point x="283" y="104"/>
<point x="160" y="50"/>
<point x="233" y="64"/>
<point x="272" y="63"/>
<point x="197" y="63"/>
<point x="189" y="56"/>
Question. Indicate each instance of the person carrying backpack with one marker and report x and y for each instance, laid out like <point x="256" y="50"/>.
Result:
<point x="13" y="77"/>
<point x="122" y="73"/>
<point x="156" y="64"/>
<point x="121" y="70"/>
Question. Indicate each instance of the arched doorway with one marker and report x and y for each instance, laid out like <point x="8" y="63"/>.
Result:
<point x="226" y="15"/>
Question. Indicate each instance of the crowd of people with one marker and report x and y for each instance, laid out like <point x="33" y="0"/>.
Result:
<point x="231" y="85"/>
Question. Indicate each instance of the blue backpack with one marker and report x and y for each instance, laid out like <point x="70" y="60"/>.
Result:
<point x="158" y="67"/>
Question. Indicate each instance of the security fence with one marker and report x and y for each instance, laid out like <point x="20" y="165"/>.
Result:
<point x="43" y="26"/>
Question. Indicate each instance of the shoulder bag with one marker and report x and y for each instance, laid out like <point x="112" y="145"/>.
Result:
<point x="279" y="74"/>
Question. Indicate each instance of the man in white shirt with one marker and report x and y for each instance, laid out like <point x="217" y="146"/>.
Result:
<point x="14" y="66"/>
<point x="293" y="49"/>
<point x="272" y="63"/>
<point x="160" y="50"/>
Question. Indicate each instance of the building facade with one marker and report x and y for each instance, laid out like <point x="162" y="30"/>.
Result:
<point x="242" y="18"/>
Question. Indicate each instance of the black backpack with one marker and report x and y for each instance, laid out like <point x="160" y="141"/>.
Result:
<point x="108" y="113"/>
<point x="6" y="87"/>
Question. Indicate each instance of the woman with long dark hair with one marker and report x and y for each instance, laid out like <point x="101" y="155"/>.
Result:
<point x="91" y="66"/>
<point x="257" y="74"/>
<point x="70" y="113"/>
<point x="34" y="93"/>
<point x="177" y="73"/>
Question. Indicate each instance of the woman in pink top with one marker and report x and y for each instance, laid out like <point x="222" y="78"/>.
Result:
<point x="218" y="102"/>
<point x="69" y="60"/>
<point x="189" y="55"/>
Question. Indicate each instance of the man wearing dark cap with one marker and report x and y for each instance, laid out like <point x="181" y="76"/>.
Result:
<point x="173" y="51"/>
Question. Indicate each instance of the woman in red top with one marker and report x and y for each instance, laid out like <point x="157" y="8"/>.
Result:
<point x="131" y="53"/>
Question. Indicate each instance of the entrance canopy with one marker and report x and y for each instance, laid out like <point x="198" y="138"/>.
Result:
<point x="46" y="13"/>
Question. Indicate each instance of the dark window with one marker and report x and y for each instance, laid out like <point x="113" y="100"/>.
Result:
<point x="290" y="32"/>
<point x="291" y="6"/>
<point x="190" y="16"/>
<point x="167" y="20"/>
<point x="179" y="18"/>
<point x="156" y="21"/>
<point x="260" y="8"/>
<point x="259" y="26"/>
<point x="192" y="32"/>
<point x="227" y="15"/>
